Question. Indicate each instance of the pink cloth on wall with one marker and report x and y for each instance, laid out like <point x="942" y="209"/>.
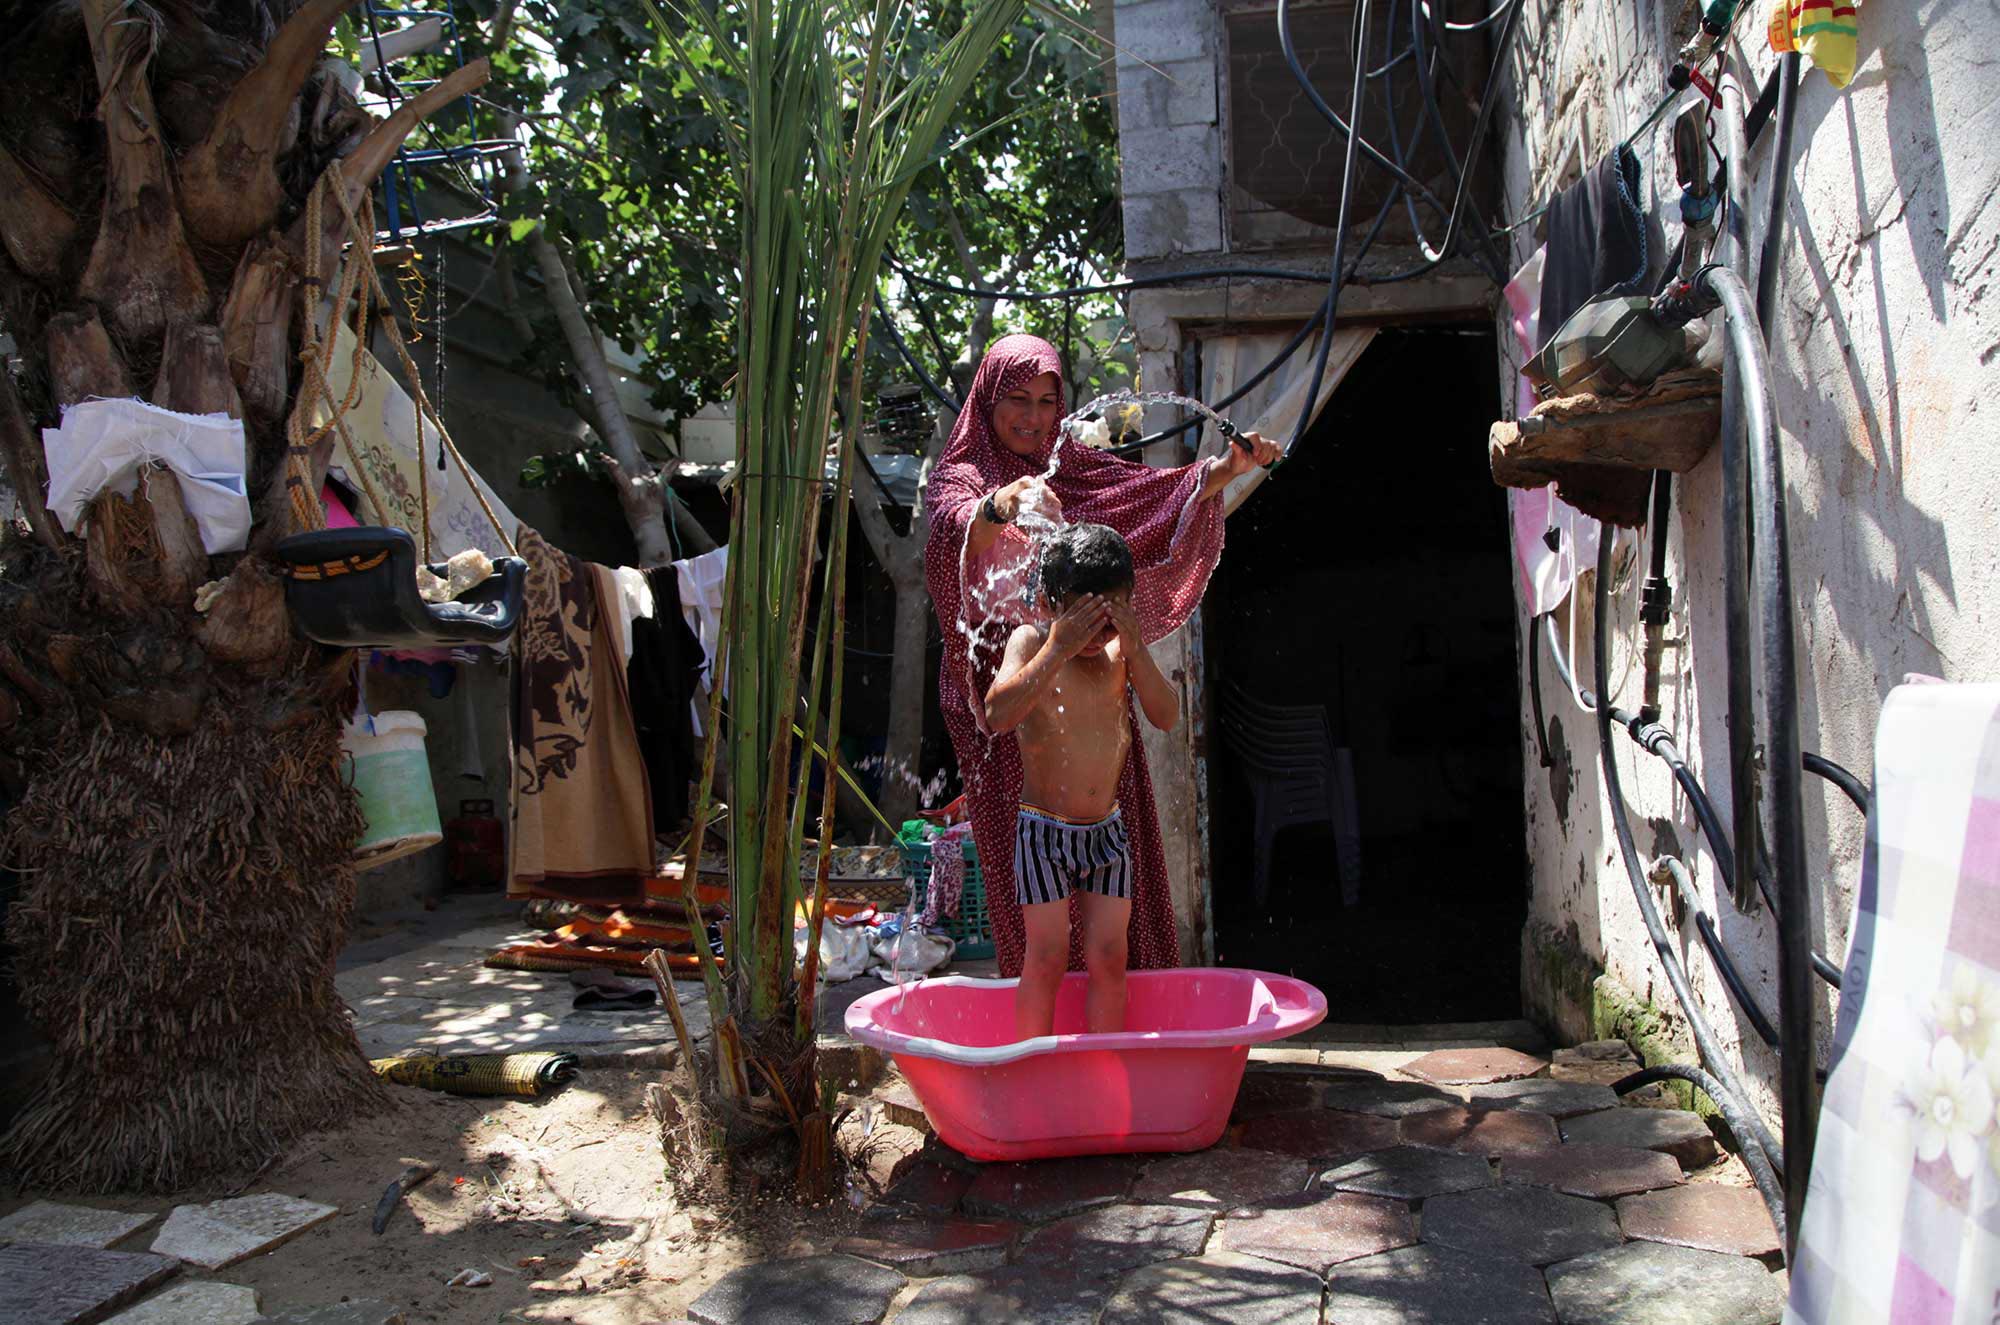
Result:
<point x="1552" y="539"/>
<point x="1176" y="539"/>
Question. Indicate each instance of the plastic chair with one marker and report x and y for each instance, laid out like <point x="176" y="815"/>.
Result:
<point x="357" y="588"/>
<point x="1295" y="777"/>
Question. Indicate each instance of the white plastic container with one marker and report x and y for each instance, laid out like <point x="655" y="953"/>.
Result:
<point x="392" y="774"/>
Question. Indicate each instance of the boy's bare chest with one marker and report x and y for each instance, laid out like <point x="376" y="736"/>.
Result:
<point x="1087" y="690"/>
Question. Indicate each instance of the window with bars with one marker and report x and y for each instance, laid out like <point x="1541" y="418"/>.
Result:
<point x="1285" y="159"/>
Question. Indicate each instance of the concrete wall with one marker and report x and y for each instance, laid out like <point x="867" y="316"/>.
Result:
<point x="1883" y="355"/>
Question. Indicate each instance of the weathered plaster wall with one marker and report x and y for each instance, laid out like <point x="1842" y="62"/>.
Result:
<point x="1883" y="355"/>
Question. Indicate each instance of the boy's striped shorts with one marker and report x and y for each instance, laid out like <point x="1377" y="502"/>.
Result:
<point x="1054" y="857"/>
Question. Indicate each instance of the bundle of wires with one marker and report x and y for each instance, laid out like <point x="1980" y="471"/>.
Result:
<point x="1426" y="30"/>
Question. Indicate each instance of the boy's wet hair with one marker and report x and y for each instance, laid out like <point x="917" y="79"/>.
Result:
<point x="1085" y="558"/>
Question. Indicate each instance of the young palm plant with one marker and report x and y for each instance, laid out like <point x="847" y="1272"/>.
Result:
<point x="830" y="110"/>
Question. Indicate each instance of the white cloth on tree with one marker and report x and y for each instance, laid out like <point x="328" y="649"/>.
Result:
<point x="103" y="444"/>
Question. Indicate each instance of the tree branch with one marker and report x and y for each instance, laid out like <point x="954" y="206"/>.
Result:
<point x="141" y="270"/>
<point x="34" y="226"/>
<point x="17" y="453"/>
<point x="229" y="180"/>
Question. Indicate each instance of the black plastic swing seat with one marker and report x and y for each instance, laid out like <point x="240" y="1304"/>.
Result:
<point x="357" y="588"/>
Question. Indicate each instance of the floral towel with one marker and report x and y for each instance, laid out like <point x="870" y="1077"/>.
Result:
<point x="1902" y="1215"/>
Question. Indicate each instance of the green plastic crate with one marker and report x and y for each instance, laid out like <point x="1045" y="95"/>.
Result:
<point x="971" y="929"/>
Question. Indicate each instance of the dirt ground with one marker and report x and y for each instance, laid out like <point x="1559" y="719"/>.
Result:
<point x="562" y="1201"/>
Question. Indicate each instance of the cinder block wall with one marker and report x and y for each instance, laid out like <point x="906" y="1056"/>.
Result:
<point x="1884" y="354"/>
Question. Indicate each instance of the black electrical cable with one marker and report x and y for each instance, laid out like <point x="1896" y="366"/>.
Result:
<point x="1777" y="727"/>
<point x="1277" y="360"/>
<point x="1431" y="114"/>
<point x="1534" y="645"/>
<point x="1656" y="740"/>
<point x="1711" y="939"/>
<point x="1374" y="153"/>
<point x="1762" y="1164"/>
<point x="1340" y="210"/>
<point x="937" y="392"/>
<point x="1854" y="787"/>
<point x="1352" y="276"/>
<point x="1706" y="1045"/>
<point x="1787" y="74"/>
<point x="1740" y="690"/>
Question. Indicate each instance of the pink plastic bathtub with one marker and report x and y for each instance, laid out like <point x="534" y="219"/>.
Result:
<point x="1165" y="1083"/>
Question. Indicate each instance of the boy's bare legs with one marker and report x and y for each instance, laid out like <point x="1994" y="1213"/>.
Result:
<point x="1042" y="967"/>
<point x="1105" y="920"/>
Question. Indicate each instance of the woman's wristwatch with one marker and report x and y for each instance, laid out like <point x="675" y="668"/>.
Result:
<point x="991" y="510"/>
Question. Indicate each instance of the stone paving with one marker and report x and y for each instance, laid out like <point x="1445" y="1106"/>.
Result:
<point x="1349" y="1190"/>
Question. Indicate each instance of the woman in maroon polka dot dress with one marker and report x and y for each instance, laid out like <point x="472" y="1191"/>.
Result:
<point x="992" y="473"/>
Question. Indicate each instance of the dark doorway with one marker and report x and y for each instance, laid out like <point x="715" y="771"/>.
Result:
<point x="1370" y="577"/>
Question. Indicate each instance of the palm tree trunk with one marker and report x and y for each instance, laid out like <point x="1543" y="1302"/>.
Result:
<point x="185" y="831"/>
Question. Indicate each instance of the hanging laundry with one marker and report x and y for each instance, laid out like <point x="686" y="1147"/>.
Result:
<point x="635" y="601"/>
<point x="701" y="603"/>
<point x="438" y="673"/>
<point x="583" y="814"/>
<point x="946" y="888"/>
<point x="1596" y="240"/>
<point x="383" y="463"/>
<point x="1552" y="539"/>
<point x="1824" y="31"/>
<point x="664" y="677"/>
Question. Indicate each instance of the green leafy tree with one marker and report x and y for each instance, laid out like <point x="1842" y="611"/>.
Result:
<point x="624" y="183"/>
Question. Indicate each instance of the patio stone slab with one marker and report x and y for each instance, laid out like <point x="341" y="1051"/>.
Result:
<point x="1437" y="1286"/>
<point x="363" y="1311"/>
<point x="929" y="1186"/>
<point x="931" y="1248"/>
<point x="1410" y="1173"/>
<point x="1390" y="1099"/>
<point x="1458" y="1067"/>
<point x="1220" y="1179"/>
<point x="1529" y="1224"/>
<point x="1008" y="1297"/>
<point x="1599" y="1172"/>
<point x="195" y="1304"/>
<point x="1239" y="1289"/>
<point x="224" y="1232"/>
<point x="1705" y="1216"/>
<point x="56" y="1224"/>
<point x="50" y="1284"/>
<point x="1557" y="1099"/>
<point x="1670" y="1131"/>
<point x="1121" y="1237"/>
<point x="1050" y="1188"/>
<point x="1320" y="1133"/>
<point x="1317" y="1231"/>
<point x="1269" y="1092"/>
<point x="1599" y="1061"/>
<point x="1650" y="1283"/>
<point x="1488" y="1132"/>
<point x="815" y="1290"/>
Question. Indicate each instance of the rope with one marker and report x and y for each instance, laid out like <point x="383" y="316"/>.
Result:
<point x="425" y="410"/>
<point x="315" y="359"/>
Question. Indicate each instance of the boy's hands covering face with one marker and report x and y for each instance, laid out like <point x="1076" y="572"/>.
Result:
<point x="1126" y="622"/>
<point x="1079" y="624"/>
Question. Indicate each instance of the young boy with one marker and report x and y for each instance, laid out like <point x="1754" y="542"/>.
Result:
<point x="1061" y="689"/>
